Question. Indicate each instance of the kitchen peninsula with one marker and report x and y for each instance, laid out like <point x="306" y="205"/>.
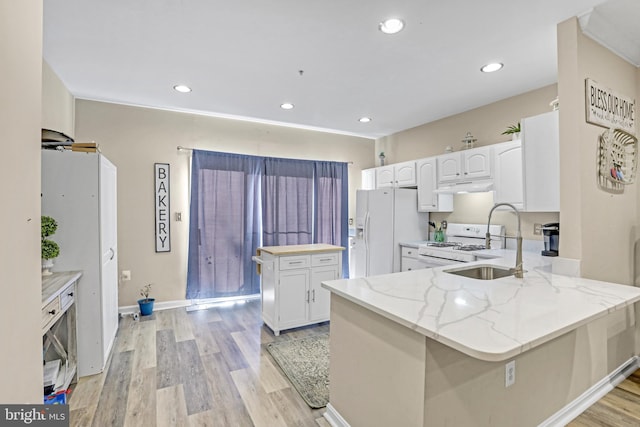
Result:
<point x="429" y="348"/>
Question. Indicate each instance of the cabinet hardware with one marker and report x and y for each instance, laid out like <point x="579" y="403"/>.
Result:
<point x="70" y="294"/>
<point x="307" y="296"/>
<point x="326" y="259"/>
<point x="295" y="262"/>
<point x="52" y="312"/>
<point x="313" y="292"/>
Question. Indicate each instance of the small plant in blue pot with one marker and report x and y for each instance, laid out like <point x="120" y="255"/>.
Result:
<point x="146" y="303"/>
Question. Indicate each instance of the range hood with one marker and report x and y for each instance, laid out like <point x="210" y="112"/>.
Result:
<point x="465" y="187"/>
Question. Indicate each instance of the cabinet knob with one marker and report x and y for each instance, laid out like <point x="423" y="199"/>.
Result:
<point x="52" y="312"/>
<point x="70" y="294"/>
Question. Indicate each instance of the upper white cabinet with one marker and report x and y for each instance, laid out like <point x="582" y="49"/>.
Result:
<point x="527" y="172"/>
<point x="368" y="179"/>
<point x="541" y="156"/>
<point x="396" y="175"/>
<point x="508" y="182"/>
<point x="428" y="199"/>
<point x="465" y="165"/>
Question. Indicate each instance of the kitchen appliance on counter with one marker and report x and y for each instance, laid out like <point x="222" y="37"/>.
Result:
<point x="384" y="218"/>
<point x="462" y="240"/>
<point x="551" y="234"/>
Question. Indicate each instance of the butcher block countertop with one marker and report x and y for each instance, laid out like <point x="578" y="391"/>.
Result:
<point x="299" y="249"/>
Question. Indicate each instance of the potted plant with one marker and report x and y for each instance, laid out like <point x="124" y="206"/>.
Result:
<point x="146" y="303"/>
<point x="49" y="248"/>
<point x="513" y="130"/>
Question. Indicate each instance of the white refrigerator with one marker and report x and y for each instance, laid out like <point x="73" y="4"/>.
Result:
<point x="384" y="218"/>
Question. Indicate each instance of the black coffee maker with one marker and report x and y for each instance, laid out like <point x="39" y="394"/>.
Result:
<point x="551" y="233"/>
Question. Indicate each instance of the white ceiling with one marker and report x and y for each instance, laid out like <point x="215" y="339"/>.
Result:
<point x="244" y="58"/>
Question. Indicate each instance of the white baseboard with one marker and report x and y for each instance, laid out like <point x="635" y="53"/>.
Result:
<point x="592" y="395"/>
<point x="165" y="305"/>
<point x="334" y="418"/>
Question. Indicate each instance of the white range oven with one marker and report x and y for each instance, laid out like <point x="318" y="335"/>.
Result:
<point x="462" y="240"/>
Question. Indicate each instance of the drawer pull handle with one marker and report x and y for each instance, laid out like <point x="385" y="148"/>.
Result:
<point x="52" y="312"/>
<point x="295" y="262"/>
<point x="326" y="259"/>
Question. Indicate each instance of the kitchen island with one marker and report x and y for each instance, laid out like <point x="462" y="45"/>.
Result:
<point x="290" y="284"/>
<point x="429" y="348"/>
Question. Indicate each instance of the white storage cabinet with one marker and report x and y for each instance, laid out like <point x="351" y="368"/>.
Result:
<point x="474" y="164"/>
<point x="368" y="179"/>
<point x="396" y="175"/>
<point x="410" y="260"/>
<point x="292" y="295"/>
<point x="428" y="199"/>
<point x="79" y="192"/>
<point x="508" y="181"/>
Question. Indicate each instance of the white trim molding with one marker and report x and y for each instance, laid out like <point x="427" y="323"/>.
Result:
<point x="334" y="418"/>
<point x="593" y="394"/>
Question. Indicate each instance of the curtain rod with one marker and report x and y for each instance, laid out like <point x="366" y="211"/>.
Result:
<point x="181" y="148"/>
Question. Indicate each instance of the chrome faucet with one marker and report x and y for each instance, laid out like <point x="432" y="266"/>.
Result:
<point x="518" y="272"/>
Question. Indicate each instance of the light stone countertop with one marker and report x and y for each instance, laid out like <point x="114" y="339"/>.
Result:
<point x="490" y="320"/>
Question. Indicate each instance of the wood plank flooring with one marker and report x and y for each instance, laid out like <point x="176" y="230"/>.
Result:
<point x="200" y="368"/>
<point x="619" y="408"/>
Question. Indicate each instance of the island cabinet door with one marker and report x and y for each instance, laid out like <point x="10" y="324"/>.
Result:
<point x="319" y="306"/>
<point x="293" y="298"/>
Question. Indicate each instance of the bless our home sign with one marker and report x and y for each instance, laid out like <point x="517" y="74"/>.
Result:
<point x="161" y="197"/>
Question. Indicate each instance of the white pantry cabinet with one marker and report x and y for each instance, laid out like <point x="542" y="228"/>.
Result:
<point x="527" y="171"/>
<point x="79" y="192"/>
<point x="292" y="295"/>
<point x="465" y="165"/>
<point x="396" y="175"/>
<point x="428" y="199"/>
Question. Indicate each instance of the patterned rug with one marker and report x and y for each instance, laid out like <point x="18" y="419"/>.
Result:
<point x="305" y="362"/>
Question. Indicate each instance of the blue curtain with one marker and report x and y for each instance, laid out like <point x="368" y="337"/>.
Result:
<point x="287" y="195"/>
<point x="240" y="202"/>
<point x="224" y="224"/>
<point x="331" y="191"/>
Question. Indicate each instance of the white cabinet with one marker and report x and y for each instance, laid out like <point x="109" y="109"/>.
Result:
<point x="409" y="260"/>
<point x="428" y="199"/>
<point x="508" y="183"/>
<point x="368" y="179"/>
<point x="465" y="165"/>
<point x="79" y="192"/>
<point x="527" y="172"/>
<point x="292" y="295"/>
<point x="396" y="175"/>
<point x="541" y="155"/>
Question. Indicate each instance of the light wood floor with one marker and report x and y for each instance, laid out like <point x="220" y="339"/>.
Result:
<point x="200" y="368"/>
<point x="619" y="408"/>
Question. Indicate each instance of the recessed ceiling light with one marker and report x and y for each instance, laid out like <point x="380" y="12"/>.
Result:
<point x="364" y="119"/>
<point x="391" y="26"/>
<point x="286" y="106"/>
<point x="490" y="68"/>
<point x="182" y="88"/>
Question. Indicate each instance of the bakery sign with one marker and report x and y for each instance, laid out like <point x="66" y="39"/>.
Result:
<point x="161" y="196"/>
<point x="608" y="108"/>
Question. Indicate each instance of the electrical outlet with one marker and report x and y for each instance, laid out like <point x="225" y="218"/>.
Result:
<point x="126" y="275"/>
<point x="510" y="374"/>
<point x="537" y="229"/>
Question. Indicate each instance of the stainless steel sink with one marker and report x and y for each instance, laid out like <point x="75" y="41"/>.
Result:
<point x="482" y="272"/>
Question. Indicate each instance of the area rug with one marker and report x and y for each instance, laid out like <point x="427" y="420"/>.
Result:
<point x="305" y="362"/>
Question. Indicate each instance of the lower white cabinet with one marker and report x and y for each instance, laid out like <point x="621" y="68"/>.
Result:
<point x="409" y="260"/>
<point x="292" y="295"/>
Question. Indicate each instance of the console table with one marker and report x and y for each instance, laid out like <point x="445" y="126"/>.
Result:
<point x="59" y="324"/>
